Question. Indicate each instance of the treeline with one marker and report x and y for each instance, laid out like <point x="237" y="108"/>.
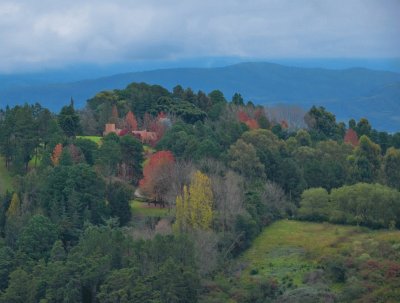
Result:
<point x="371" y="205"/>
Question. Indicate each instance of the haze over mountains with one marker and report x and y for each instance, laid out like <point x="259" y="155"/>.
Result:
<point x="353" y="92"/>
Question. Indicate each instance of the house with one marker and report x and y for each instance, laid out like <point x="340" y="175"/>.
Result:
<point x="111" y="128"/>
<point x="143" y="135"/>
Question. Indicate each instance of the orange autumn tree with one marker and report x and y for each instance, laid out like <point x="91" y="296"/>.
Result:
<point x="130" y="121"/>
<point x="157" y="173"/>
<point x="245" y="118"/>
<point x="56" y="155"/>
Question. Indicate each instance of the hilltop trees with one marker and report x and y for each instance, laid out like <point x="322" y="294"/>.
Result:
<point x="69" y="120"/>
<point x="321" y="122"/>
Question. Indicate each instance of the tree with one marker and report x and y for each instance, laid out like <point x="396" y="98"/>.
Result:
<point x="56" y="155"/>
<point x="391" y="167"/>
<point x="109" y="155"/>
<point x="20" y="288"/>
<point x="7" y="260"/>
<point x="71" y="195"/>
<point x="228" y="193"/>
<point x="157" y="176"/>
<point x="69" y="120"/>
<point x="119" y="196"/>
<point x="194" y="205"/>
<point x="303" y="138"/>
<point x="130" y="121"/>
<point x="363" y="128"/>
<point x="314" y="204"/>
<point x="357" y="204"/>
<point x="322" y="122"/>
<point x="14" y="210"/>
<point x="237" y="99"/>
<point x="88" y="148"/>
<point x="351" y="137"/>
<point x="131" y="158"/>
<point x="37" y="238"/>
<point x="268" y="149"/>
<point x="114" y="115"/>
<point x="366" y="160"/>
<point x="243" y="159"/>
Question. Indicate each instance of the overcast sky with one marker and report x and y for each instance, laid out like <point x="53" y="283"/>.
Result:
<point x="50" y="33"/>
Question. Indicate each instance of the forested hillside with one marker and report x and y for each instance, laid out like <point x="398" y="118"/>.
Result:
<point x="151" y="195"/>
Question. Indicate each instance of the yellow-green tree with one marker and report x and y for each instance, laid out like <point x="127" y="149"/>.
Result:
<point x="194" y="205"/>
<point x="14" y="209"/>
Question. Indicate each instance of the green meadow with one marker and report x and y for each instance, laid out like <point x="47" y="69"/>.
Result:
<point x="95" y="139"/>
<point x="143" y="209"/>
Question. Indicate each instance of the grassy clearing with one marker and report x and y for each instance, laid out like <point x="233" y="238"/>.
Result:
<point x="6" y="180"/>
<point x="95" y="139"/>
<point x="142" y="209"/>
<point x="288" y="249"/>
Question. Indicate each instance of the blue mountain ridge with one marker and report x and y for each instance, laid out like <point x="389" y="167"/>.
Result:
<point x="349" y="93"/>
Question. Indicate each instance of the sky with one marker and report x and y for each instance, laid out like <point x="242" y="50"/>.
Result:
<point x="35" y="35"/>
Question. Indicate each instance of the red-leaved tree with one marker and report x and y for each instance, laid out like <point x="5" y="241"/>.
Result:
<point x="246" y="119"/>
<point x="157" y="174"/>
<point x="351" y="137"/>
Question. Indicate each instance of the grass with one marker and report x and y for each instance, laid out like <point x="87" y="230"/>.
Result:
<point x="142" y="209"/>
<point x="6" y="180"/>
<point x="95" y="139"/>
<point x="288" y="249"/>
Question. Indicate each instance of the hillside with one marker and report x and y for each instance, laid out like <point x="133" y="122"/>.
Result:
<point x="313" y="262"/>
<point x="355" y="92"/>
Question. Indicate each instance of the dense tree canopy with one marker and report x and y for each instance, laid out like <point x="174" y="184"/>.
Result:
<point x="77" y="223"/>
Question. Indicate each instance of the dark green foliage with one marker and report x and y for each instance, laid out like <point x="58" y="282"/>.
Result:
<point x="6" y="265"/>
<point x="88" y="148"/>
<point x="20" y="288"/>
<point x="363" y="128"/>
<point x="195" y="142"/>
<point x="71" y="195"/>
<point x="391" y="167"/>
<point x="237" y="99"/>
<point x="131" y="158"/>
<point x="119" y="196"/>
<point x="322" y="123"/>
<point x="109" y="155"/>
<point x="24" y="131"/>
<point x="37" y="237"/>
<point x="248" y="229"/>
<point x="69" y="121"/>
<point x="366" y="160"/>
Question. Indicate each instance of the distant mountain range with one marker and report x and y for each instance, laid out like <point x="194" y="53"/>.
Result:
<point x="349" y="93"/>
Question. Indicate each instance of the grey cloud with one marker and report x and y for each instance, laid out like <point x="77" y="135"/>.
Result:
<point x="51" y="33"/>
